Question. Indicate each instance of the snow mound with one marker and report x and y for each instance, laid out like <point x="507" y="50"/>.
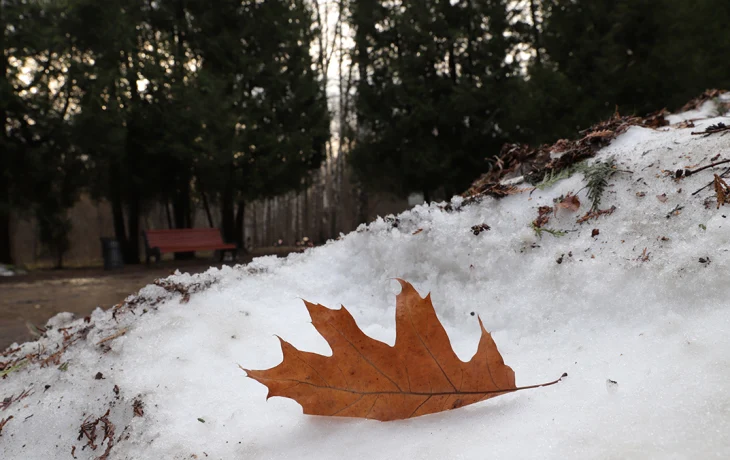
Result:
<point x="632" y="305"/>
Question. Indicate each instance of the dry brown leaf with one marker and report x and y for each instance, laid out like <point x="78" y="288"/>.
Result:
<point x="722" y="190"/>
<point x="595" y="214"/>
<point x="543" y="216"/>
<point x="570" y="202"/>
<point x="663" y="197"/>
<point x="602" y="134"/>
<point x="366" y="378"/>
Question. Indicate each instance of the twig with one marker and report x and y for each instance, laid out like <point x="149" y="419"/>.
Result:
<point x="711" y="183"/>
<point x="3" y="422"/>
<point x="720" y="127"/>
<point x="689" y="172"/>
<point x="119" y="333"/>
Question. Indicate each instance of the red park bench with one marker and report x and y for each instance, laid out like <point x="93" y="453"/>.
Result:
<point x="158" y="242"/>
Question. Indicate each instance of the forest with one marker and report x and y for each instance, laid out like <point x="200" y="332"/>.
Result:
<point x="214" y="105"/>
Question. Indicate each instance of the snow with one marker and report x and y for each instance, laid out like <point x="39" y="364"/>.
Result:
<point x="658" y="327"/>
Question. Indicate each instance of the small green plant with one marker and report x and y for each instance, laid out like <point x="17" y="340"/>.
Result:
<point x="553" y="177"/>
<point x="540" y="230"/>
<point x="596" y="176"/>
<point x="703" y="226"/>
<point x="15" y="367"/>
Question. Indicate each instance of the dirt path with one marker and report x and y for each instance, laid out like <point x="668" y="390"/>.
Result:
<point x="32" y="299"/>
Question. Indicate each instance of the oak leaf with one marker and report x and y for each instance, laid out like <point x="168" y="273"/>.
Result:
<point x="722" y="190"/>
<point x="366" y="378"/>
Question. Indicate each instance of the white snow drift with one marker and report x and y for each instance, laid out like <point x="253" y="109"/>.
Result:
<point x="643" y="335"/>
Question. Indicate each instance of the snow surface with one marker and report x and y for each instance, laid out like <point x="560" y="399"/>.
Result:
<point x="658" y="327"/>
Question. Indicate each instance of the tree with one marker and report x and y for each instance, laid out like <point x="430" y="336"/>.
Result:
<point x="40" y="170"/>
<point x="637" y="56"/>
<point x="265" y="118"/>
<point x="432" y="79"/>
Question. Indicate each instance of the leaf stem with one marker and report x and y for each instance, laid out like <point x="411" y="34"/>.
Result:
<point x="565" y="374"/>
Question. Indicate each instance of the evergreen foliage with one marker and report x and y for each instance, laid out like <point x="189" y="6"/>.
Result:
<point x="430" y="96"/>
<point x="596" y="176"/>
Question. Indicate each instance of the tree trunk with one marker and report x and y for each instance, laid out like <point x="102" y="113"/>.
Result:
<point x="255" y="237"/>
<point x="6" y="254"/>
<point x="181" y="205"/>
<point x="181" y="213"/>
<point x="207" y="209"/>
<point x="228" y="226"/>
<point x="427" y="196"/>
<point x="240" y="229"/>
<point x="115" y="197"/>
<point x="305" y="217"/>
<point x="59" y="260"/>
<point x="133" y="208"/>
<point x="362" y="206"/>
<point x="167" y="212"/>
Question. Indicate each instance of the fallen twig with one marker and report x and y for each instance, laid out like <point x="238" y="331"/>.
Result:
<point x="711" y="183"/>
<point x="712" y="129"/>
<point x="689" y="172"/>
<point x="119" y="333"/>
<point x="3" y="422"/>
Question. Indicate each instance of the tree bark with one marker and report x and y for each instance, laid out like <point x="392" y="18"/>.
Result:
<point x="167" y="213"/>
<point x="363" y="203"/>
<point x="255" y="237"/>
<point x="133" y="208"/>
<point x="427" y="196"/>
<point x="206" y="206"/>
<point x="115" y="197"/>
<point x="6" y="254"/>
<point x="240" y="229"/>
<point x="181" y="206"/>
<point x="181" y="213"/>
<point x="228" y="226"/>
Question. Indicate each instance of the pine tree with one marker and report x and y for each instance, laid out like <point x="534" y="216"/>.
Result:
<point x="265" y="113"/>
<point x="432" y="75"/>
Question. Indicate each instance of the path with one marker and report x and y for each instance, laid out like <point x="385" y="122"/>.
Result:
<point x="32" y="299"/>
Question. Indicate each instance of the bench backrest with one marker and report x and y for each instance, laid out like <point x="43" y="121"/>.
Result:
<point x="183" y="237"/>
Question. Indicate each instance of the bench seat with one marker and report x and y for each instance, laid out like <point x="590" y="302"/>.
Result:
<point x="158" y="242"/>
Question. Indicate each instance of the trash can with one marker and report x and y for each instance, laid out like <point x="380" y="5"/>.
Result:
<point x="111" y="251"/>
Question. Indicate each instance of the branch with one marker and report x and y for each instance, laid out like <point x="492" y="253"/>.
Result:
<point x="689" y="172"/>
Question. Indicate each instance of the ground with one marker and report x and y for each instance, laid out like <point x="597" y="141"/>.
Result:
<point x="34" y="298"/>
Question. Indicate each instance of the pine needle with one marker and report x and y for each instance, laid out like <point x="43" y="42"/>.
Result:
<point x="540" y="230"/>
<point x="596" y="176"/>
<point x="553" y="177"/>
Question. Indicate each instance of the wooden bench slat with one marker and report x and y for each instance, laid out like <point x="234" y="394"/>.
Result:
<point x="169" y="249"/>
<point x="185" y="240"/>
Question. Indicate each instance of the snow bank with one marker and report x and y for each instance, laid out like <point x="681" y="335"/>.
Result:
<point x="636" y="315"/>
